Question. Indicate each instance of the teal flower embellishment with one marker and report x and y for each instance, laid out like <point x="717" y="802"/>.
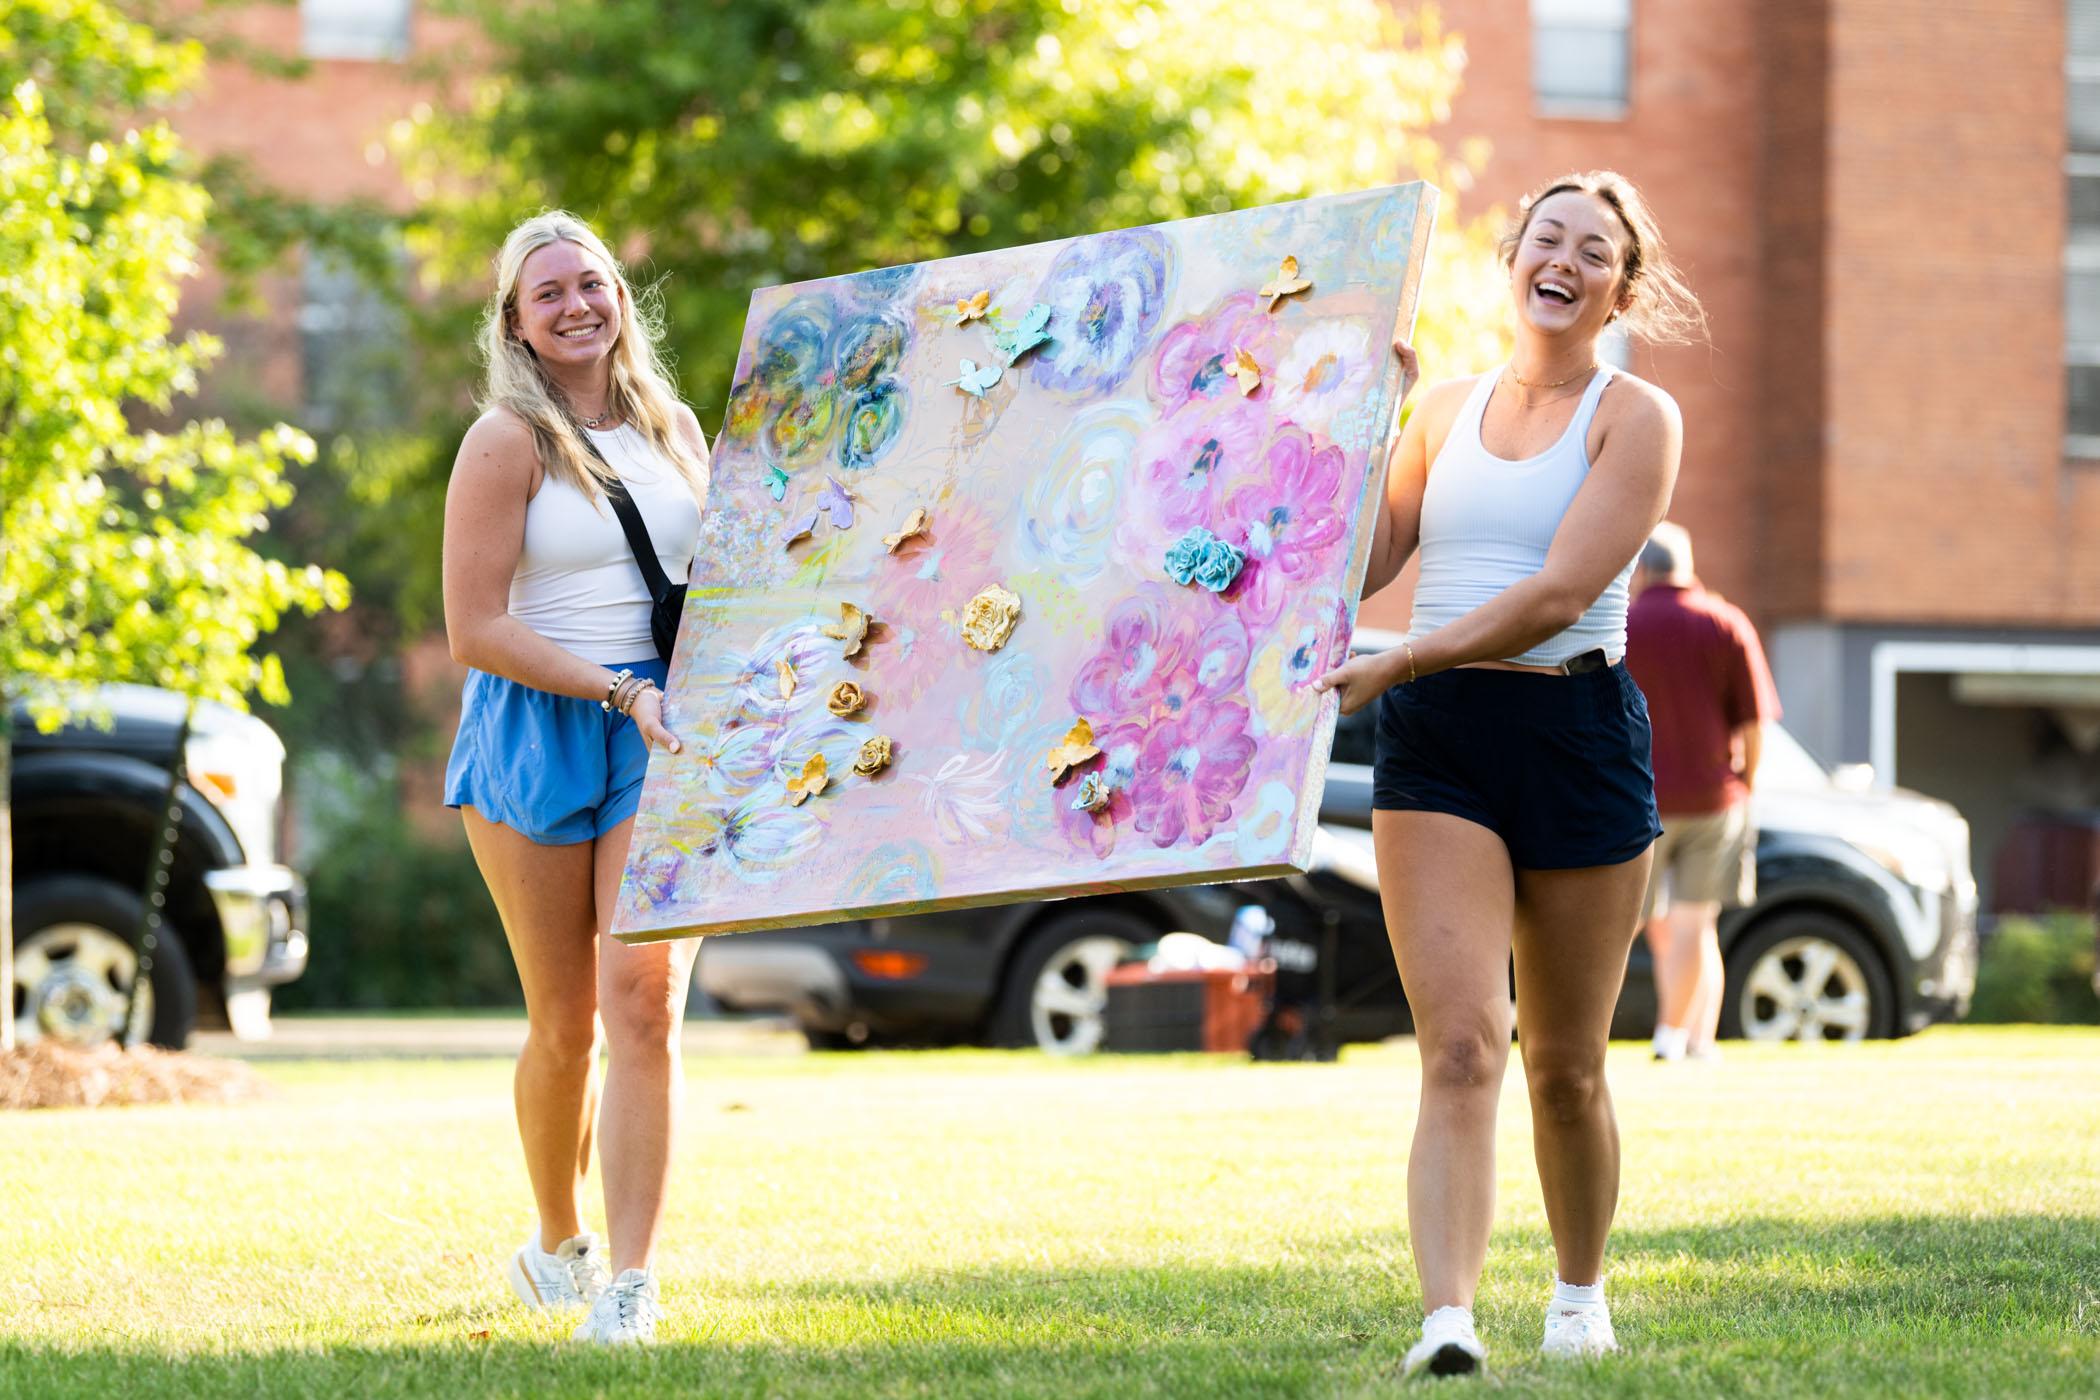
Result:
<point x="1201" y="558"/>
<point x="1093" y="794"/>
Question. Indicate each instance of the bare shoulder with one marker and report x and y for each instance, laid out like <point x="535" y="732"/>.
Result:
<point x="499" y="442"/>
<point x="1444" y="397"/>
<point x="689" y="425"/>
<point x="1634" y="402"/>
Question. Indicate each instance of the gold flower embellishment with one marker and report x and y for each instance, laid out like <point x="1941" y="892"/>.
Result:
<point x="845" y="699"/>
<point x="990" y="618"/>
<point x="874" y="756"/>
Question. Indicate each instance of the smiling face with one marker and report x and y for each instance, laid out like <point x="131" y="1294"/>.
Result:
<point x="567" y="306"/>
<point x="1567" y="275"/>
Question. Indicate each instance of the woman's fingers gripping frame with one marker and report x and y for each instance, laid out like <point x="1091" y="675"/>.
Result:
<point x="647" y="712"/>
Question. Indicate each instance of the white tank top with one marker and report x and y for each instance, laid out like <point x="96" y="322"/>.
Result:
<point x="1487" y="523"/>
<point x="577" y="583"/>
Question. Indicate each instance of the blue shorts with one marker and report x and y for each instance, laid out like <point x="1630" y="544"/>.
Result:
<point x="555" y="769"/>
<point x="1557" y="766"/>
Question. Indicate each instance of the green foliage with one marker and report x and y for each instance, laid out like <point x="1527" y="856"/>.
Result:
<point x="733" y="145"/>
<point x="2038" y="970"/>
<point x="126" y="554"/>
<point x="408" y="922"/>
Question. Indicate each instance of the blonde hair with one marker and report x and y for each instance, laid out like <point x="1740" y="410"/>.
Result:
<point x="640" y="393"/>
<point x="1664" y="309"/>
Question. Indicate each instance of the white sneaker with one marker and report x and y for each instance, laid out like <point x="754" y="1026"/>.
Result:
<point x="625" y="1312"/>
<point x="571" y="1277"/>
<point x="1448" y="1346"/>
<point x="1574" y="1334"/>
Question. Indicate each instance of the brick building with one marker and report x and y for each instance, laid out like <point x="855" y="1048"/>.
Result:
<point x="1892" y="212"/>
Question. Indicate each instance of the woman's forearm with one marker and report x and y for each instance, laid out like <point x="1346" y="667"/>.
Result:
<point x="1520" y="617"/>
<point x="504" y="646"/>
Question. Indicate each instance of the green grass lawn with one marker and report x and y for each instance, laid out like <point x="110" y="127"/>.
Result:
<point x="1916" y="1218"/>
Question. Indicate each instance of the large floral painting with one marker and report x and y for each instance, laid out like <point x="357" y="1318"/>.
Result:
<point x="1017" y="566"/>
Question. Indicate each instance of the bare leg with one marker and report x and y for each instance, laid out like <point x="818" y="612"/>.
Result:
<point x="1574" y="928"/>
<point x="642" y="989"/>
<point x="1691" y="928"/>
<point x="1449" y="901"/>
<point x="1703" y="1010"/>
<point x="1657" y="932"/>
<point x="543" y="894"/>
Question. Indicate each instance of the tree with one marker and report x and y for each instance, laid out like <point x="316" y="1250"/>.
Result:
<point x="125" y="548"/>
<point x="736" y="143"/>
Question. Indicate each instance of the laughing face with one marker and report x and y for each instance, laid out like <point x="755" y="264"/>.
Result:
<point x="568" y="306"/>
<point x="1568" y="273"/>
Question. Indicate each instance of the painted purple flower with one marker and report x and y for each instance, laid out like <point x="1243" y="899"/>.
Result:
<point x="1216" y="668"/>
<point x="1286" y="515"/>
<point x="1106" y="295"/>
<point x="1188" y="770"/>
<point x="1192" y="356"/>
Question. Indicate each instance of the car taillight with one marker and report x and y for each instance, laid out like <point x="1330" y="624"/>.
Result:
<point x="889" y="964"/>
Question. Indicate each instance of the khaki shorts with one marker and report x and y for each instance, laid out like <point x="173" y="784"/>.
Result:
<point x="1707" y="859"/>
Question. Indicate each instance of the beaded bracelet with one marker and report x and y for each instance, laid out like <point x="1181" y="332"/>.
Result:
<point x="613" y="690"/>
<point x="1410" y="658"/>
<point x="642" y="684"/>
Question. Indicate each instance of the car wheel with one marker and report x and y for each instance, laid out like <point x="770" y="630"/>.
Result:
<point x="1056" y="993"/>
<point x="74" y="966"/>
<point x="1807" y="976"/>
<point x="853" y="1037"/>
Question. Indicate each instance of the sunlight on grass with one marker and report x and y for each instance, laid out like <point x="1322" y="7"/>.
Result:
<point x="1916" y="1217"/>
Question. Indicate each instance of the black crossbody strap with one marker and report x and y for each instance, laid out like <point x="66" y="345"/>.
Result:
<point x="637" y="532"/>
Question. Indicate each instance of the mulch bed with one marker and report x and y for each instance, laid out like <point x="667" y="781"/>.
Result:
<point x="49" y="1075"/>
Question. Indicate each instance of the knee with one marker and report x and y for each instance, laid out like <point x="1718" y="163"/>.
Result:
<point x="1566" y="1085"/>
<point x="642" y="1014"/>
<point x="567" y="1035"/>
<point x="1466" y="1061"/>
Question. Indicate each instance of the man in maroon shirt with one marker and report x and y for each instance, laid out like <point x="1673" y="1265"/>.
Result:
<point x="1697" y="659"/>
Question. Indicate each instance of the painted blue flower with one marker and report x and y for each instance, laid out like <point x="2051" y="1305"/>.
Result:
<point x="1107" y="297"/>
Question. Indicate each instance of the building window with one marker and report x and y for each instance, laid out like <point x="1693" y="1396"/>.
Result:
<point x="352" y="340"/>
<point x="369" y="29"/>
<point x="2082" y="235"/>
<point x="1582" y="57"/>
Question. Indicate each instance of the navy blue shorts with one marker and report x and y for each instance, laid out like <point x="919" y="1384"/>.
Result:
<point x="1557" y="766"/>
<point x="555" y="769"/>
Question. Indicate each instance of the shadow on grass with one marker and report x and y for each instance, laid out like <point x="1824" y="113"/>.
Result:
<point x="2005" y="1306"/>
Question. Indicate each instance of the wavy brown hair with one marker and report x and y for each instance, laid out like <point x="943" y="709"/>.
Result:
<point x="1664" y="310"/>
<point x="641" y="391"/>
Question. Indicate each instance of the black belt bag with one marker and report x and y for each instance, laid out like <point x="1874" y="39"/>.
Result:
<point x="666" y="599"/>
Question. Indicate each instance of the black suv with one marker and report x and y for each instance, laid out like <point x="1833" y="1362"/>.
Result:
<point x="1864" y="926"/>
<point x="87" y="800"/>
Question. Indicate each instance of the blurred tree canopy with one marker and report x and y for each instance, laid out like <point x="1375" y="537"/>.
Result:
<point x="124" y="548"/>
<point x="729" y="144"/>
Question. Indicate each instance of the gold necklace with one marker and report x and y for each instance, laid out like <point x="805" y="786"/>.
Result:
<point x="1522" y="382"/>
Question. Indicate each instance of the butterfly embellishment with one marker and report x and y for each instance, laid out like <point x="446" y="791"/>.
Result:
<point x="915" y="524"/>
<point x="1032" y="330"/>
<point x="800" y="529"/>
<point x="972" y="308"/>
<point x="974" y="380"/>
<point x="1077" y="748"/>
<point x="1241" y="366"/>
<point x="851" y="628"/>
<point x="1286" y="282"/>
<point x="813" y="779"/>
<point x="777" y="482"/>
<point x="837" y="502"/>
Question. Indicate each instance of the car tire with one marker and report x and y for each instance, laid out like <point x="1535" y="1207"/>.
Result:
<point x="1807" y="975"/>
<point x="854" y="1037"/>
<point x="74" y="963"/>
<point x="1056" y="994"/>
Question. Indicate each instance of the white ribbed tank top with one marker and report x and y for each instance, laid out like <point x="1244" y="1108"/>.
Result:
<point x="1487" y="523"/>
<point x="576" y="582"/>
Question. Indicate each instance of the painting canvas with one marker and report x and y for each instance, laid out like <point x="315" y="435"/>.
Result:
<point x="1017" y="567"/>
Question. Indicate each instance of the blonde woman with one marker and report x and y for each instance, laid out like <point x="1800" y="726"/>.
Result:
<point x="1513" y="806"/>
<point x="546" y="605"/>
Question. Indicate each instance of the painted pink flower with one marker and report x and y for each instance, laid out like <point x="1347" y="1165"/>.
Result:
<point x="1185" y="461"/>
<point x="1188" y="769"/>
<point x="1216" y="667"/>
<point x="1192" y="356"/>
<point x="1285" y="517"/>
<point x="1142" y="649"/>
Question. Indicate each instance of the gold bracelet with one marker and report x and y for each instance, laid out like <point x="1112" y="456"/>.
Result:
<point x="1410" y="659"/>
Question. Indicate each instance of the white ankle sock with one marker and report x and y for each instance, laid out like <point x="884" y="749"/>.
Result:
<point x="1578" y="1295"/>
<point x="1670" y="1041"/>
